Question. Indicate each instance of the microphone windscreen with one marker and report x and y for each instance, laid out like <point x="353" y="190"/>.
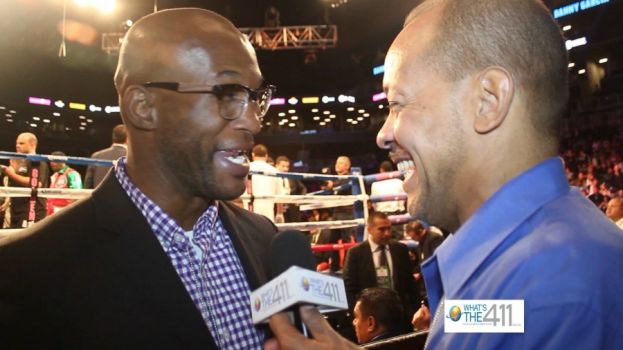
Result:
<point x="291" y="248"/>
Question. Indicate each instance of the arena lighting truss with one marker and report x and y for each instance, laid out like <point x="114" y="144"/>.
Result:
<point x="267" y="38"/>
<point x="293" y="37"/>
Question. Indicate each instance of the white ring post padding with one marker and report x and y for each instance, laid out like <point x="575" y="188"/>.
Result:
<point x="64" y="193"/>
<point x="312" y="225"/>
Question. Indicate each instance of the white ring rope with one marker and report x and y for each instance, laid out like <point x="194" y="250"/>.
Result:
<point x="64" y="193"/>
<point x="312" y="225"/>
<point x="305" y="202"/>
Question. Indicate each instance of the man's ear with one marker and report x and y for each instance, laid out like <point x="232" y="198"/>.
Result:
<point x="495" y="92"/>
<point x="371" y="323"/>
<point x="139" y="108"/>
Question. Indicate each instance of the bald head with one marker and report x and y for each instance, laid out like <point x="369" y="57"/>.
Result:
<point x="26" y="143"/>
<point x="172" y="44"/>
<point x="517" y="35"/>
<point x="614" y="210"/>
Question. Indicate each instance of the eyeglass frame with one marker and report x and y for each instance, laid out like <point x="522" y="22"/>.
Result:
<point x="200" y="88"/>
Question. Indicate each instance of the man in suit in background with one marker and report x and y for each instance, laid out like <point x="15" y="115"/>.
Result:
<point x="118" y="149"/>
<point x="379" y="262"/>
<point x="156" y="258"/>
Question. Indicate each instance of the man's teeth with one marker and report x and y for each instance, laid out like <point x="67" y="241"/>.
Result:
<point x="239" y="159"/>
<point x="406" y="165"/>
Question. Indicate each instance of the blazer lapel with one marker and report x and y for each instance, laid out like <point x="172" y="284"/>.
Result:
<point x="242" y="236"/>
<point x="139" y="255"/>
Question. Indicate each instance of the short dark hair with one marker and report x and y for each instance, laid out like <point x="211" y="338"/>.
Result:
<point x="384" y="305"/>
<point x="260" y="150"/>
<point x="386" y="166"/>
<point x="58" y="153"/>
<point x="282" y="159"/>
<point x="416" y="226"/>
<point x="119" y="134"/>
<point x="376" y="215"/>
<point x="518" y="35"/>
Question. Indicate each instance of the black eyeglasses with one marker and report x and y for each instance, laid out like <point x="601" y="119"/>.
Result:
<point x="233" y="98"/>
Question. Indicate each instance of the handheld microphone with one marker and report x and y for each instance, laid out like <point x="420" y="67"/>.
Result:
<point x="296" y="282"/>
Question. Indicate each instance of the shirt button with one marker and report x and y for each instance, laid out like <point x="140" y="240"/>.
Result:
<point x="178" y="238"/>
<point x="225" y="334"/>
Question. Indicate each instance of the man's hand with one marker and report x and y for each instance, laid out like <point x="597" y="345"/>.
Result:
<point x="287" y="337"/>
<point x="421" y="318"/>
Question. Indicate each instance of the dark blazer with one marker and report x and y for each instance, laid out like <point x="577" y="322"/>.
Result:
<point x="95" y="174"/>
<point x="359" y="272"/>
<point x="94" y="276"/>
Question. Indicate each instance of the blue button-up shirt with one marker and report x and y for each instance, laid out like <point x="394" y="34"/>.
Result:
<point x="208" y="265"/>
<point x="539" y="240"/>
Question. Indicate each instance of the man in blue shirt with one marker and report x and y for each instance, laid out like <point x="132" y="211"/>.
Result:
<point x="476" y="90"/>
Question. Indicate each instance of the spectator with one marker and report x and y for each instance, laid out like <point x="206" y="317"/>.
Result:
<point x="380" y="262"/>
<point x="292" y="187"/>
<point x="615" y="211"/>
<point x="389" y="186"/>
<point x="63" y="177"/>
<point x="19" y="173"/>
<point x="262" y="185"/>
<point x="118" y="149"/>
<point x="377" y="315"/>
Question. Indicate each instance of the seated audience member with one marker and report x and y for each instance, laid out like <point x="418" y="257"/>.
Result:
<point x="377" y="315"/>
<point x="615" y="211"/>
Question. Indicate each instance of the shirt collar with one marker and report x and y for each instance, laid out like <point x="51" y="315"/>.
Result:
<point x="163" y="226"/>
<point x="495" y="220"/>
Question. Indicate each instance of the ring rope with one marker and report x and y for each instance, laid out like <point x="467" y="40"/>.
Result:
<point x="60" y="159"/>
<point x="313" y="225"/>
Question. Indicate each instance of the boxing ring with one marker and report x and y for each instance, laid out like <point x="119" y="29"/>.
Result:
<point x="316" y="200"/>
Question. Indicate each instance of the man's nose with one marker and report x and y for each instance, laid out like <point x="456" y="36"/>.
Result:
<point x="385" y="136"/>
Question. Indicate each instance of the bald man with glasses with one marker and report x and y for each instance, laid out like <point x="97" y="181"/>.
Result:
<point x="157" y="257"/>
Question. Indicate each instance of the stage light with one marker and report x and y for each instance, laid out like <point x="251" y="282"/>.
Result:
<point x="112" y="109"/>
<point x="291" y="125"/>
<point x="571" y="65"/>
<point x="278" y="101"/>
<point x="349" y="120"/>
<point x="322" y="123"/>
<point x="570" y="44"/>
<point x="314" y="110"/>
<point x="379" y="96"/>
<point x="360" y="118"/>
<point x="316" y="117"/>
<point x="366" y="115"/>
<point x="128" y="23"/>
<point x="582" y="71"/>
<point x="327" y="120"/>
<point x="94" y="108"/>
<point x="378" y="70"/>
<point x="291" y="111"/>
<point x="281" y="114"/>
<point x="59" y="104"/>
<point x="332" y="116"/>
<point x="328" y="99"/>
<point x="307" y="100"/>
<point x="82" y="117"/>
<point x="566" y="28"/>
<point x="56" y="114"/>
<point x="294" y="117"/>
<point x="381" y="106"/>
<point x="293" y="100"/>
<point x="350" y="109"/>
<point x="361" y="111"/>
<point x="326" y="112"/>
<point x="603" y="60"/>
<point x="76" y="105"/>
<point x="47" y="121"/>
<point x="39" y="101"/>
<point x="36" y="118"/>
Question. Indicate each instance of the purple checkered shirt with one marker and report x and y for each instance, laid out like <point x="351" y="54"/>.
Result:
<point x="208" y="265"/>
